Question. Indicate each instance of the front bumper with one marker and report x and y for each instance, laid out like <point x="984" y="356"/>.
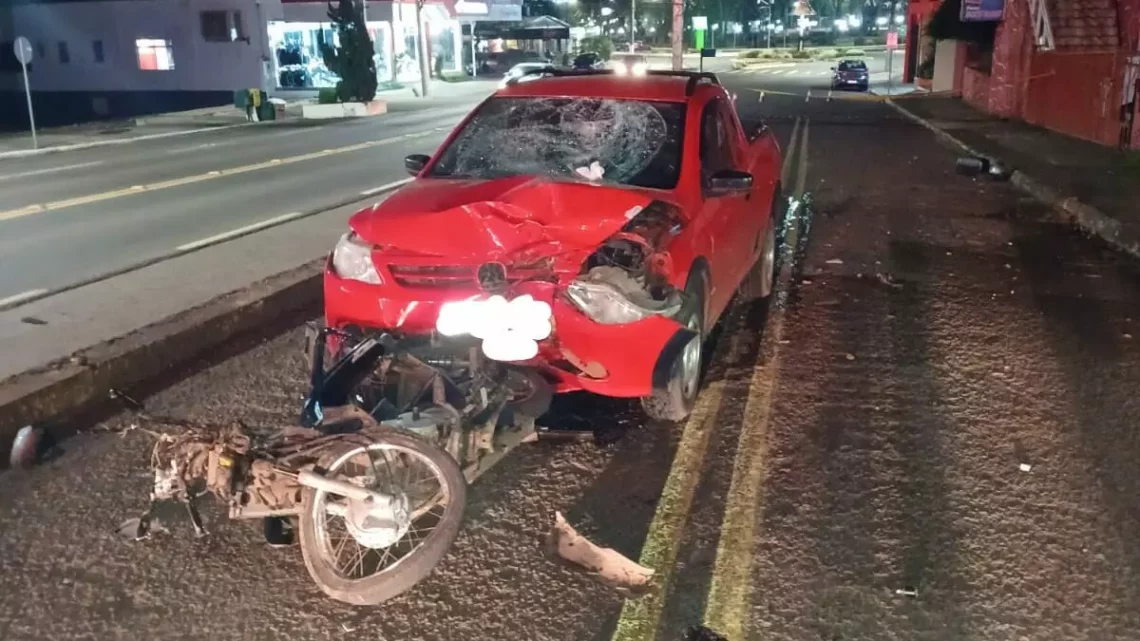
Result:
<point x="611" y="360"/>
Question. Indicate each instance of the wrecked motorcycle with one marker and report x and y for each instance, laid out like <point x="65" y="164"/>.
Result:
<point x="375" y="479"/>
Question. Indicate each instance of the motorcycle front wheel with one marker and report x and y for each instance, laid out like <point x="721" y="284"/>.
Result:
<point x="365" y="553"/>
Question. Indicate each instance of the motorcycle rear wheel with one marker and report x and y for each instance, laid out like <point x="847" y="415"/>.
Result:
<point x="405" y="572"/>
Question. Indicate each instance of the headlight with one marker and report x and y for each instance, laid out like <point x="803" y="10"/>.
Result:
<point x="352" y="260"/>
<point x="640" y="68"/>
<point x="607" y="305"/>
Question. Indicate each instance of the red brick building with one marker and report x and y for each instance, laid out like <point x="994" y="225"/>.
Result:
<point x="1068" y="65"/>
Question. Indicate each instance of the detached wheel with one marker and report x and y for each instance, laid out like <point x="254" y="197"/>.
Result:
<point x="674" y="401"/>
<point x="365" y="553"/>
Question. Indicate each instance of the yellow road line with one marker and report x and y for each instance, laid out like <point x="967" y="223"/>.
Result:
<point x="211" y="175"/>
<point x="801" y="177"/>
<point x="640" y="618"/>
<point x="730" y="590"/>
<point x="785" y="171"/>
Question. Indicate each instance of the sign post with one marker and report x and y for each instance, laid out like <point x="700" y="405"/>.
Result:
<point x="23" y="50"/>
<point x="700" y="25"/>
<point x="892" y="45"/>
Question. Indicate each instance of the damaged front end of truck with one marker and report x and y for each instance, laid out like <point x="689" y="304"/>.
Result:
<point x="581" y="282"/>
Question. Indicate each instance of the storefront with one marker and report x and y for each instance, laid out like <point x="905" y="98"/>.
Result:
<point x="298" y="63"/>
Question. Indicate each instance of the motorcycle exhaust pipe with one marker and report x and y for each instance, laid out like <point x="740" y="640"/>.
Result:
<point x="308" y="478"/>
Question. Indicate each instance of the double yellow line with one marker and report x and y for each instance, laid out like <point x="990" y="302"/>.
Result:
<point x="730" y="592"/>
<point x="211" y="175"/>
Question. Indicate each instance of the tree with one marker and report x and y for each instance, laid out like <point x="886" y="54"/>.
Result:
<point x="352" y="59"/>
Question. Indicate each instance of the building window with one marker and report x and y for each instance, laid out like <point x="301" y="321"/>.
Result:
<point x="41" y="49"/>
<point x="222" y="26"/>
<point x="64" y="54"/>
<point x="154" y="55"/>
<point x="9" y="63"/>
<point x="97" y="50"/>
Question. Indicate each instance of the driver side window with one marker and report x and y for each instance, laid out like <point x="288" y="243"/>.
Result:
<point x="716" y="145"/>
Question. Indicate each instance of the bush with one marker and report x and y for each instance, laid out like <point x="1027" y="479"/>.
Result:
<point x="600" y="45"/>
<point x="854" y="53"/>
<point x="925" y="70"/>
<point x="327" y="96"/>
<point x="859" y="41"/>
<point x="755" y="53"/>
<point x="801" y="55"/>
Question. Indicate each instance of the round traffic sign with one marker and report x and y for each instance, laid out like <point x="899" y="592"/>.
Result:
<point x="23" y="50"/>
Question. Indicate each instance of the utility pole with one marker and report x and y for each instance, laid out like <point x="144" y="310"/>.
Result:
<point x="678" y="34"/>
<point x="632" y="25"/>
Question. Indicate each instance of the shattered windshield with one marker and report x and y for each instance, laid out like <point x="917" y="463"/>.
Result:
<point x="626" y="142"/>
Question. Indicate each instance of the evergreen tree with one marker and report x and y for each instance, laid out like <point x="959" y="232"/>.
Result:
<point x="352" y="60"/>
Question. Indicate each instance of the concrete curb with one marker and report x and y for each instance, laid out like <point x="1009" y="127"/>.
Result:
<point x="87" y="378"/>
<point x="22" y="153"/>
<point x="1068" y="208"/>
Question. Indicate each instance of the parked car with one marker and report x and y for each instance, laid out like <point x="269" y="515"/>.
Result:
<point x="587" y="230"/>
<point x="525" y="71"/>
<point x="629" y="64"/>
<point x="850" y="74"/>
<point x="588" y="60"/>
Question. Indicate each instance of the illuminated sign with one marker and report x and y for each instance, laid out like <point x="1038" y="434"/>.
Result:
<point x="982" y="10"/>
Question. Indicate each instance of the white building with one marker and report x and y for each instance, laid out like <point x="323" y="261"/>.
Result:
<point x="126" y="57"/>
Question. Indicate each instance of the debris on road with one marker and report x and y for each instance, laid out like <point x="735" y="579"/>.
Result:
<point x="850" y="357"/>
<point x="835" y="261"/>
<point x="604" y="564"/>
<point x="27" y="446"/>
<point x="1025" y="467"/>
<point x="971" y="165"/>
<point x="888" y="280"/>
<point x="701" y="633"/>
<point x="907" y="591"/>
<point x="131" y="403"/>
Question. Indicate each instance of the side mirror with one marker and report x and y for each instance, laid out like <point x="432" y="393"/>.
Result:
<point x="729" y="182"/>
<point x="415" y="163"/>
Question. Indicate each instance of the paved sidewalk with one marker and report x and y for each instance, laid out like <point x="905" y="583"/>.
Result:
<point x="1098" y="176"/>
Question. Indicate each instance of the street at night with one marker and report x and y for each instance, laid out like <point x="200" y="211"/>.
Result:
<point x="927" y="434"/>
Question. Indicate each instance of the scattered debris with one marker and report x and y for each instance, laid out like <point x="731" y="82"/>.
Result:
<point x="701" y="633"/>
<point x="1025" y="467"/>
<point x="140" y="528"/>
<point x="1128" y="336"/>
<point x="32" y="320"/>
<point x="888" y="280"/>
<point x="998" y="171"/>
<point x="806" y="281"/>
<point x="604" y="564"/>
<point x="344" y="626"/>
<point x="27" y="446"/>
<point x="850" y="357"/>
<point x="907" y="591"/>
<point x="835" y="261"/>
<point x="117" y="395"/>
<point x="971" y="165"/>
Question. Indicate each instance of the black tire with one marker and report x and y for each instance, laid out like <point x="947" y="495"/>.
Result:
<point x="419" y="563"/>
<point x="533" y="405"/>
<point x="675" y="401"/>
<point x="760" y="281"/>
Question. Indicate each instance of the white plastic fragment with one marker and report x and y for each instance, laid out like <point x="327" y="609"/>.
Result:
<point x="1025" y="467"/>
<point x="911" y="592"/>
<point x="603" y="564"/>
<point x="835" y="261"/>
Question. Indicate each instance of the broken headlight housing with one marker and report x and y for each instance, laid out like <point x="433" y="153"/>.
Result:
<point x="608" y="305"/>
<point x="352" y="260"/>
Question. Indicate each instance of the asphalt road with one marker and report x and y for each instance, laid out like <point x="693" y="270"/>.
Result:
<point x="97" y="210"/>
<point x="940" y="446"/>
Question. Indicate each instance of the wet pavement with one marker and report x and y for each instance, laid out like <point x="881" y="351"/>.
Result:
<point x="941" y="333"/>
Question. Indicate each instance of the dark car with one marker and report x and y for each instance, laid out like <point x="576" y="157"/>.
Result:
<point x="850" y="74"/>
<point x="589" y="60"/>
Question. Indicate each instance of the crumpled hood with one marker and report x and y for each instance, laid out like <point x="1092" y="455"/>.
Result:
<point x="494" y="219"/>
